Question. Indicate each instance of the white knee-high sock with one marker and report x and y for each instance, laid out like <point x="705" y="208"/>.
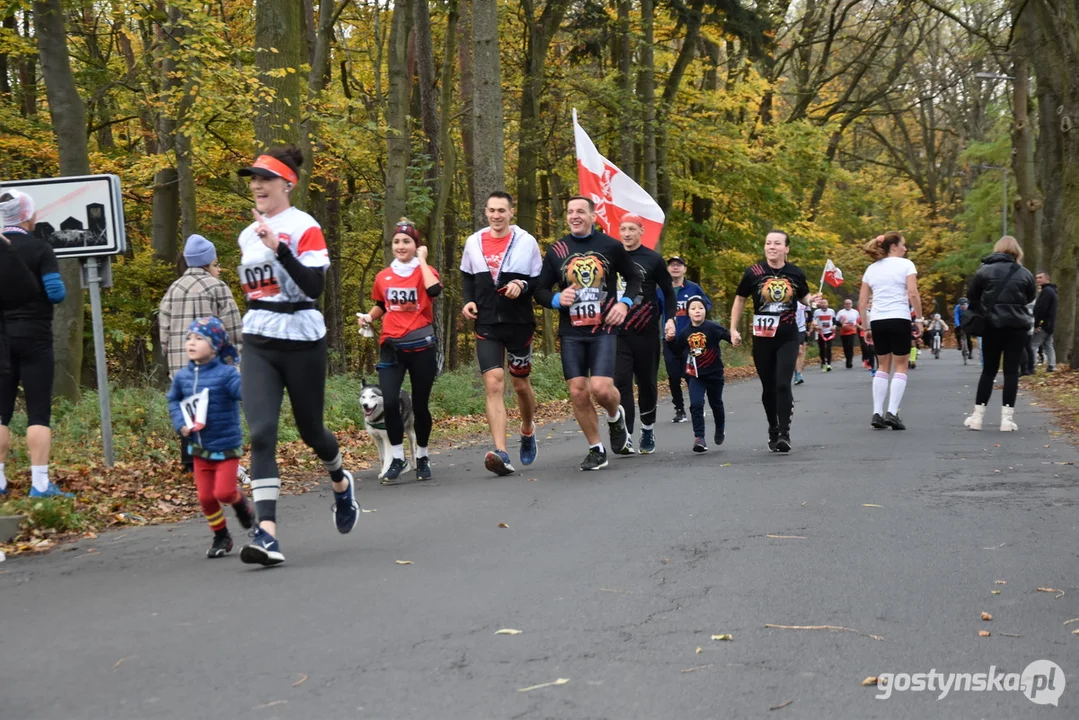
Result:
<point x="39" y="477"/>
<point x="899" y="384"/>
<point x="880" y="391"/>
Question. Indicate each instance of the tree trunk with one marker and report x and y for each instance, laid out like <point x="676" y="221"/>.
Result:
<point x="278" y="26"/>
<point x="443" y="181"/>
<point x="468" y="130"/>
<point x="10" y="26"/>
<point x="488" y="169"/>
<point x="670" y="90"/>
<point x="625" y="71"/>
<point x="1029" y="206"/>
<point x="531" y="139"/>
<point x="397" y="145"/>
<point x="648" y="94"/>
<point x="69" y="124"/>
<point x="28" y="76"/>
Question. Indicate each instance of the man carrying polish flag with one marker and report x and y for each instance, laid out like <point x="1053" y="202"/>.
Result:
<point x="613" y="192"/>
<point x="831" y="275"/>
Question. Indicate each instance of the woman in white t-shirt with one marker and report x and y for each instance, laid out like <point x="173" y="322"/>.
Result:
<point x="892" y="284"/>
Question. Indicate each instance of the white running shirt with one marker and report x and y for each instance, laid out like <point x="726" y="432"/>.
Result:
<point x="888" y="280"/>
<point x="800" y="316"/>
<point x="304" y="237"/>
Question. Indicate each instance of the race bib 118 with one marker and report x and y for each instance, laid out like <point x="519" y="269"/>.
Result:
<point x="587" y="310"/>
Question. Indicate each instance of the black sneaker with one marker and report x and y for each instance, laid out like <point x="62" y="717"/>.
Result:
<point x="345" y="508"/>
<point x="648" y="442"/>
<point x="423" y="468"/>
<point x="596" y="459"/>
<point x="680" y="416"/>
<point x="699" y="445"/>
<point x="393" y="472"/>
<point x="773" y="441"/>
<point x="878" y="422"/>
<point x="783" y="443"/>
<point x="619" y="433"/>
<point x="719" y="437"/>
<point x="222" y="546"/>
<point x="893" y="421"/>
<point x="244" y="516"/>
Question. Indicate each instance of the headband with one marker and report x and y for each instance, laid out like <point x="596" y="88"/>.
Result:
<point x="408" y="229"/>
<point x="633" y="218"/>
<point x="278" y="168"/>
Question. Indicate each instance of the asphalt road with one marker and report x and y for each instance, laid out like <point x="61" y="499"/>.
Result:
<point x="617" y="580"/>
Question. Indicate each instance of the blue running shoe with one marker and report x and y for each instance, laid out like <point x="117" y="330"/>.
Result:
<point x="345" y="508"/>
<point x="498" y="462"/>
<point x="51" y="491"/>
<point x="262" y="550"/>
<point x="528" y="449"/>
<point x="3" y="491"/>
<point x="648" y="442"/>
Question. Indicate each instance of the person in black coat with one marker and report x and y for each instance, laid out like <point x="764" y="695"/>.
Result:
<point x="1045" y="319"/>
<point x="1001" y="290"/>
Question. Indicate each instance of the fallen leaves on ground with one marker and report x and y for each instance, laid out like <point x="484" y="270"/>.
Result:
<point x="723" y="637"/>
<point x="986" y="616"/>
<point x="871" y="680"/>
<point x="780" y="707"/>
<point x="508" y="631"/>
<point x="1052" y="590"/>
<point x="503" y="525"/>
<point x="403" y="562"/>
<point x="530" y="688"/>
<point x="983" y="633"/>
<point x="1059" y="391"/>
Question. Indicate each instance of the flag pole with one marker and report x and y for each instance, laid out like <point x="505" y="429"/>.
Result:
<point x="821" y="284"/>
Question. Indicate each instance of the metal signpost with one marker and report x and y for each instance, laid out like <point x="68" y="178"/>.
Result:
<point x="83" y="217"/>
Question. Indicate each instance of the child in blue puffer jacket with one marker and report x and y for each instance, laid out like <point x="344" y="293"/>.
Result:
<point x="212" y="379"/>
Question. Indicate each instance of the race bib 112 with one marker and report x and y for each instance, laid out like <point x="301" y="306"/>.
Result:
<point x="765" y="325"/>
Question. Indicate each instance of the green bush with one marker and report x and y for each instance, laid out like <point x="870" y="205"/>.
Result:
<point x="46" y="513"/>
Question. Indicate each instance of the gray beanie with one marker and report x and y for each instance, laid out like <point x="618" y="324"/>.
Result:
<point x="199" y="252"/>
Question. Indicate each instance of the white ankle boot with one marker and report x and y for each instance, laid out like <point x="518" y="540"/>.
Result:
<point x="1007" y="419"/>
<point x="974" y="422"/>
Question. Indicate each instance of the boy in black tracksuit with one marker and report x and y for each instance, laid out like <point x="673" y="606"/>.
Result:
<point x="704" y="369"/>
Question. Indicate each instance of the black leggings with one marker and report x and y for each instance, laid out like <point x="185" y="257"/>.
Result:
<point x="848" y="348"/>
<point x="638" y="357"/>
<point x="996" y="342"/>
<point x="267" y="373"/>
<point x="422" y="367"/>
<point x="825" y="347"/>
<point x="31" y="367"/>
<point x="775" y="359"/>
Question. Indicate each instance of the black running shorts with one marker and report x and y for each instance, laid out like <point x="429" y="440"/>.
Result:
<point x="495" y="342"/>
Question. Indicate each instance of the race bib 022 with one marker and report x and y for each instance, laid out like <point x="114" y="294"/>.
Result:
<point x="258" y="280"/>
<point x="765" y="325"/>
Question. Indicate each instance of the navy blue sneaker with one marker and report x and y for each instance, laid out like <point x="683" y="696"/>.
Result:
<point x="648" y="442"/>
<point x="262" y="550"/>
<point x="528" y="448"/>
<point x="423" y="468"/>
<point x="498" y="462"/>
<point x="51" y="491"/>
<point x="346" y="510"/>
<point x="393" y="472"/>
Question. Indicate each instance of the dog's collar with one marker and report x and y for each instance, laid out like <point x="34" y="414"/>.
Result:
<point x="376" y="425"/>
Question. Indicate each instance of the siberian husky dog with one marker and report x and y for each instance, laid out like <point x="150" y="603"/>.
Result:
<point x="374" y="419"/>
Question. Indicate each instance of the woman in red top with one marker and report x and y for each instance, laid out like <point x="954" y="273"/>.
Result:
<point x="403" y="295"/>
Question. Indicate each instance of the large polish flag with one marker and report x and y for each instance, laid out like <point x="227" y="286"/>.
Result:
<point x="613" y="192"/>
